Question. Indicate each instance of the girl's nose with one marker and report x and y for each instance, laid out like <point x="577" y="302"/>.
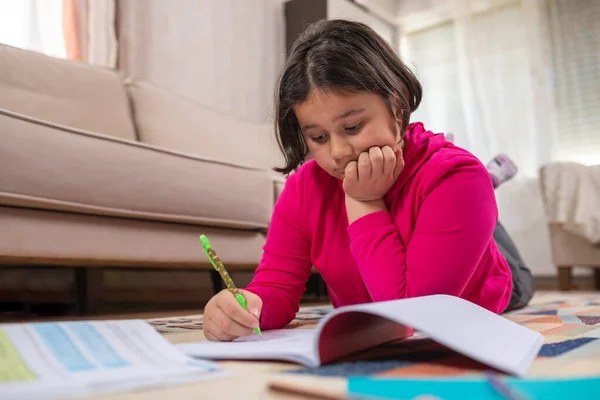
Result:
<point x="341" y="150"/>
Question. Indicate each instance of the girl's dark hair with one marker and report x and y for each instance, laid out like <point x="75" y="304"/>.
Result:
<point x="345" y="56"/>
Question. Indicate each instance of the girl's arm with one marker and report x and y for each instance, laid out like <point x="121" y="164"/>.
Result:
<point x="452" y="230"/>
<point x="358" y="209"/>
<point x="285" y="267"/>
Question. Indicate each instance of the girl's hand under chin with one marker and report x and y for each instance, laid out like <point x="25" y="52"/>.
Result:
<point x="376" y="170"/>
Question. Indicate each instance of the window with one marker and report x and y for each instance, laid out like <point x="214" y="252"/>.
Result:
<point x="432" y="53"/>
<point x="482" y="79"/>
<point x="575" y="43"/>
<point x="33" y="25"/>
<point x="475" y="73"/>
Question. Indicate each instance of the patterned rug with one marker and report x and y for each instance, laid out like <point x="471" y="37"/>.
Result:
<point x="174" y="326"/>
<point x="571" y="348"/>
<point x="571" y="327"/>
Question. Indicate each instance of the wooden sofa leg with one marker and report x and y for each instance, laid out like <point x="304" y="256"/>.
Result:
<point x="597" y="278"/>
<point x="565" y="279"/>
<point x="88" y="286"/>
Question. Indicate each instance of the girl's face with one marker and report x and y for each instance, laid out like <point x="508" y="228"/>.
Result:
<point x="338" y="127"/>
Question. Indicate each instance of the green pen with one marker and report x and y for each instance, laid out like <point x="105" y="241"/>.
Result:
<point x="218" y="265"/>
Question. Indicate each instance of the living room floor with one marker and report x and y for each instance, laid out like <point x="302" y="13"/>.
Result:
<point x="151" y="310"/>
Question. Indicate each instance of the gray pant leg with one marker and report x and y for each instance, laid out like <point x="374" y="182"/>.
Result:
<point x="523" y="286"/>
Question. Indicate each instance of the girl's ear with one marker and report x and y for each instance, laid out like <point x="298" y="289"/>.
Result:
<point x="397" y="112"/>
<point x="398" y="117"/>
<point x="396" y="107"/>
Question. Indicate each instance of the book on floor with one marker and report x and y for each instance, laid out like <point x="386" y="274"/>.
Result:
<point x="450" y="321"/>
<point x="75" y="359"/>
<point x="482" y="387"/>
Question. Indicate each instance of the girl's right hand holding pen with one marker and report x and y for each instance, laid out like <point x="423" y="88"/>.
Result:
<point x="225" y="319"/>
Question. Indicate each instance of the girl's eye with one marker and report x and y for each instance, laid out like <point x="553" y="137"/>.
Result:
<point x="353" y="128"/>
<point x="320" y="138"/>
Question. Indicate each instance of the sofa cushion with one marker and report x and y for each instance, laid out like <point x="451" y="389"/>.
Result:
<point x="50" y="167"/>
<point x="166" y="120"/>
<point x="40" y="237"/>
<point x="64" y="92"/>
<point x="569" y="249"/>
<point x="571" y="194"/>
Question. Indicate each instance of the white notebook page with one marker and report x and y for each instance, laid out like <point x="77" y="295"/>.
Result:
<point x="281" y="344"/>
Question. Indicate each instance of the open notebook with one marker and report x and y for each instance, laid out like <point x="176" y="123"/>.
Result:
<point x="453" y="322"/>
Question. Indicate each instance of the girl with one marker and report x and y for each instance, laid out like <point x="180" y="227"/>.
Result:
<point x="384" y="209"/>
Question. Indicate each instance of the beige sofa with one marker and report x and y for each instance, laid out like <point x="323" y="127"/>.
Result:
<point x="97" y="171"/>
<point x="571" y="195"/>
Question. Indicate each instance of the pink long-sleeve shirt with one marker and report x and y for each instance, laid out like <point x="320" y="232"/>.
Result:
<point x="434" y="238"/>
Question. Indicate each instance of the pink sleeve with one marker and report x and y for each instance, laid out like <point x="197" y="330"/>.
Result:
<point x="452" y="230"/>
<point x="281" y="277"/>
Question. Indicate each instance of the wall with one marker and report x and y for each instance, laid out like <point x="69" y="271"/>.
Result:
<point x="389" y="7"/>
<point x="343" y="9"/>
<point x="224" y="54"/>
<point x="414" y="15"/>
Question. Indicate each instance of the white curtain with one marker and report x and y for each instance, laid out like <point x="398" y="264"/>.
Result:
<point x="34" y="25"/>
<point x="37" y="25"/>
<point x="487" y="79"/>
<point x="575" y="38"/>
